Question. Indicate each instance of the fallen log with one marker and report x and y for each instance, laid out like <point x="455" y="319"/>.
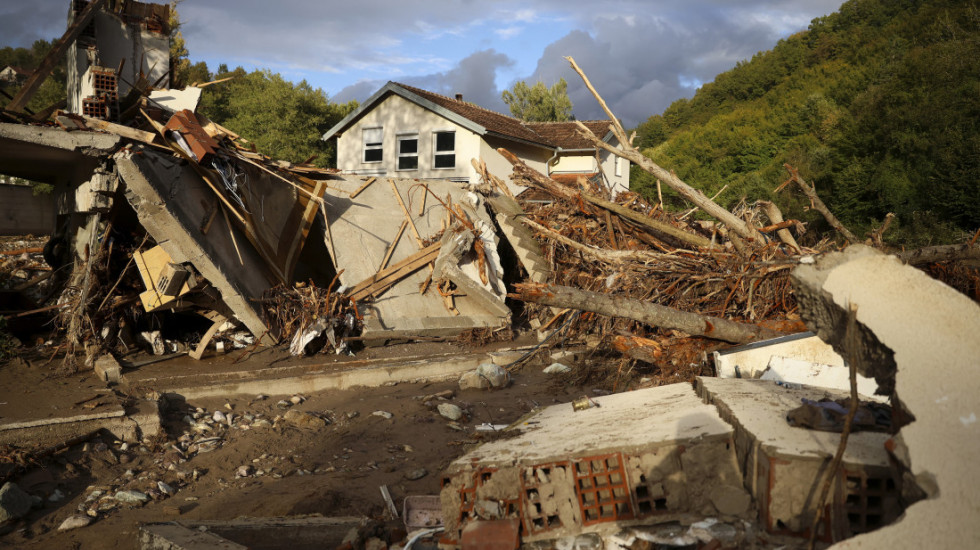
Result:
<point x="644" y="312"/>
<point x="942" y="253"/>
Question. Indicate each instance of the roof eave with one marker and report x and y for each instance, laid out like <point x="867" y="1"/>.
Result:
<point x="409" y="96"/>
<point x="521" y="140"/>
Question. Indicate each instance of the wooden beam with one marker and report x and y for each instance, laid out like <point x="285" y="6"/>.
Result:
<point x="387" y="277"/>
<point x="54" y="57"/>
<point x="118" y="129"/>
<point x="362" y="188"/>
<point x="408" y="215"/>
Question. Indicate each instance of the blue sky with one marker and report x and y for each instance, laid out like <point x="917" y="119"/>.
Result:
<point x="640" y="54"/>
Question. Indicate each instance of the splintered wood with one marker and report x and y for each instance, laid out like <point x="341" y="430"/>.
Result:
<point x="668" y="287"/>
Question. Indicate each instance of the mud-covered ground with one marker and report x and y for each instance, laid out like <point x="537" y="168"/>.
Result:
<point x="266" y="463"/>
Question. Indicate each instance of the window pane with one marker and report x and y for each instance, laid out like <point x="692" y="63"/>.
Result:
<point x="408" y="146"/>
<point x="445" y="161"/>
<point x="408" y="163"/>
<point x="372" y="155"/>
<point x="445" y="141"/>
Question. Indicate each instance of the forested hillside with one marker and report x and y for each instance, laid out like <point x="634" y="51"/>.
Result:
<point x="27" y="59"/>
<point x="877" y="104"/>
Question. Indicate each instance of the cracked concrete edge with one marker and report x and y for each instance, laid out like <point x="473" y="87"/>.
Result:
<point x="927" y="332"/>
<point x="88" y="143"/>
<point x="374" y="375"/>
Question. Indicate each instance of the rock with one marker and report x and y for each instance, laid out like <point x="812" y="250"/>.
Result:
<point x="557" y="368"/>
<point x="262" y="423"/>
<point x="297" y="399"/>
<point x="450" y="411"/>
<point x="711" y="529"/>
<point x="219" y="417"/>
<point x="243" y="471"/>
<point x="383" y="414"/>
<point x="283" y="404"/>
<point x="131" y="497"/>
<point x="303" y="419"/>
<point x="14" y="502"/>
<point x="497" y="375"/>
<point x="375" y="543"/>
<point x="74" y="522"/>
<point x="417" y="473"/>
<point x="107" y="369"/>
<point x="730" y="500"/>
<point x="56" y="496"/>
<point x="473" y="381"/>
<point x="165" y="489"/>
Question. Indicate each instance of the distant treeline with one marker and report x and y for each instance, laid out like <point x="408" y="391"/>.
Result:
<point x="877" y="104"/>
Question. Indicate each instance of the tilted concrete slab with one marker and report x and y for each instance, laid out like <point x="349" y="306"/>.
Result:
<point x="360" y="233"/>
<point x="644" y="456"/>
<point x="922" y="337"/>
<point x="173" y="203"/>
<point x="785" y="465"/>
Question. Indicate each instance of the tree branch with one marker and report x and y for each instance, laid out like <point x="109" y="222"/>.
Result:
<point x="630" y="153"/>
<point x="818" y="204"/>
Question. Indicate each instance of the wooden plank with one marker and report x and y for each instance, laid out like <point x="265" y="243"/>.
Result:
<point x="118" y="129"/>
<point x="408" y="215"/>
<point x="394" y="243"/>
<point x="202" y="346"/>
<point x="362" y="188"/>
<point x="383" y="279"/>
<point x="55" y="56"/>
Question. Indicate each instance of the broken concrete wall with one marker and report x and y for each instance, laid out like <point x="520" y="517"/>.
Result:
<point x="919" y="337"/>
<point x="785" y="465"/>
<point x="646" y="456"/>
<point x="132" y="39"/>
<point x="23" y="212"/>
<point x="174" y="204"/>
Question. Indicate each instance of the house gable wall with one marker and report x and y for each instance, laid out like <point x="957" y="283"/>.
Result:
<point x="396" y="115"/>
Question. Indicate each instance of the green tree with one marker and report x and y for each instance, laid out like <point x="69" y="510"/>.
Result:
<point x="539" y="103"/>
<point x="283" y="119"/>
<point x="179" y="62"/>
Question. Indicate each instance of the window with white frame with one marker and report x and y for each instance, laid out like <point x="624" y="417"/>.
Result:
<point x="373" y="141"/>
<point x="408" y="151"/>
<point x="619" y="166"/>
<point x="444" y="149"/>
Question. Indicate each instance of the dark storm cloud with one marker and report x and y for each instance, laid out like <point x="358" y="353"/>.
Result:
<point x="641" y="54"/>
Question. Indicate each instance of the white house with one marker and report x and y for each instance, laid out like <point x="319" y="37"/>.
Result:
<point x="406" y="132"/>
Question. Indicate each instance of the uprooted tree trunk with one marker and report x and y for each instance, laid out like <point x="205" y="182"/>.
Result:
<point x="942" y="253"/>
<point x="644" y="312"/>
<point x="627" y="151"/>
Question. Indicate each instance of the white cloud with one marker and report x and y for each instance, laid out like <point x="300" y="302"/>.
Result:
<point x="507" y="33"/>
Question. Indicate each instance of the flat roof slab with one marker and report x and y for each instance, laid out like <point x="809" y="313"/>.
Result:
<point x="759" y="407"/>
<point x="623" y="422"/>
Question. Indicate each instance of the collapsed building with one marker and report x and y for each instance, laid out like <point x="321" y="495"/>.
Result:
<point x="169" y="231"/>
